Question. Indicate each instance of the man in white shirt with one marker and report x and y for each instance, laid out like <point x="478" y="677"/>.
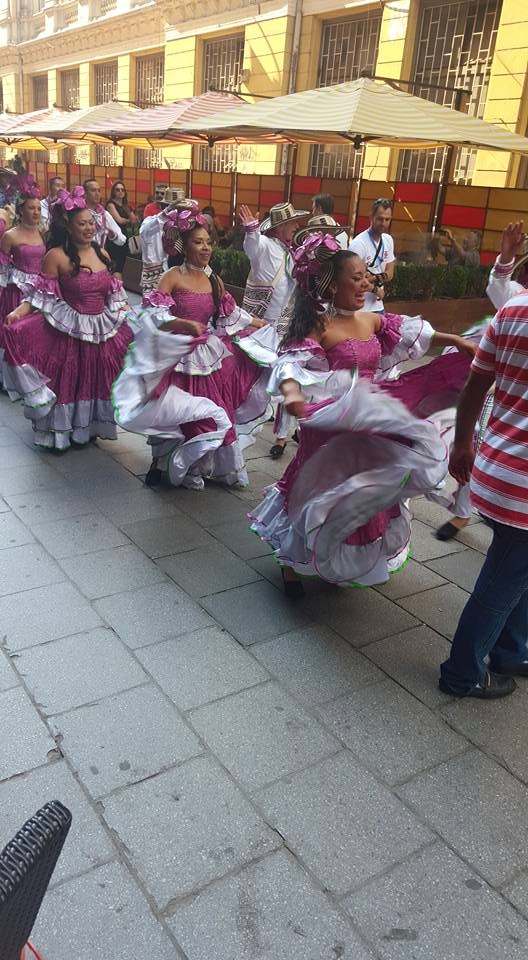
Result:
<point x="323" y="204"/>
<point x="270" y="286"/>
<point x="46" y="204"/>
<point x="105" y="226"/>
<point x="500" y="284"/>
<point x="375" y="246"/>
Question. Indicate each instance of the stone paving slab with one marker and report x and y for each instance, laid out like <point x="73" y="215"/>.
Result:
<point x="125" y="738"/>
<point x="359" y="616"/>
<point x="390" y="732"/>
<point x="8" y="677"/>
<point x="88" y="844"/>
<point x="201" y="667"/>
<point x="271" y="910"/>
<point x="35" y="476"/>
<point x="425" y="546"/>
<point x="74" y="671"/>
<point x="26" y="742"/>
<point x="22" y="568"/>
<point x="45" y="613"/>
<point x="435" y="906"/>
<point x="461" y="569"/>
<point x="104" y="914"/>
<point x="40" y="506"/>
<point x="13" y="533"/>
<point x="315" y="664"/>
<point x="152" y="614"/>
<point x="261" y="734"/>
<point x="204" y="827"/>
<point x="240" y="539"/>
<point x="166" y="536"/>
<point x="110" y="571"/>
<point x="414" y="578"/>
<point x="75" y="536"/>
<point x="207" y="570"/>
<point x="479" y="809"/>
<point x="500" y="731"/>
<point x="255" y="612"/>
<point x="343" y="824"/>
<point x="412" y="659"/>
<point x="440" y="608"/>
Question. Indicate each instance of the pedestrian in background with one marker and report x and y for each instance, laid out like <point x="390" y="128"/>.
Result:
<point x="375" y="246"/>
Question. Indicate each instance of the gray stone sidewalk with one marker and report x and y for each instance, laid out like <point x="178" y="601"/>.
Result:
<point x="248" y="778"/>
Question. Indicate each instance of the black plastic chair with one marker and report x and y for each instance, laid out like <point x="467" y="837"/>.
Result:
<point x="26" y="866"/>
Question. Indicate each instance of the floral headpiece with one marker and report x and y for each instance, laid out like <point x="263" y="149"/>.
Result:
<point x="313" y="265"/>
<point x="23" y="185"/>
<point x="184" y="218"/>
<point x="76" y="200"/>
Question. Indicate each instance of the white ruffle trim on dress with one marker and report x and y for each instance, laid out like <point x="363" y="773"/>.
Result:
<point x="361" y="471"/>
<point x="416" y="335"/>
<point x="260" y="345"/>
<point x="18" y="278"/>
<point x="90" y="327"/>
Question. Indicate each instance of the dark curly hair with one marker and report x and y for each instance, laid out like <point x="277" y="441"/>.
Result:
<point x="308" y="314"/>
<point x="60" y="236"/>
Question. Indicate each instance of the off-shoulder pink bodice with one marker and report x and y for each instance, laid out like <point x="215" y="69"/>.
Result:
<point x="364" y="355"/>
<point x="28" y="257"/>
<point x="87" y="291"/>
<point x="199" y="307"/>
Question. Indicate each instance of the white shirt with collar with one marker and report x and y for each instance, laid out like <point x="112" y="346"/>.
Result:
<point x="366" y="247"/>
<point x="151" y="241"/>
<point x="267" y="256"/>
<point x="105" y="224"/>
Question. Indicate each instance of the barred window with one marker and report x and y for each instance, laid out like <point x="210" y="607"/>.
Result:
<point x="222" y="69"/>
<point x="455" y="47"/>
<point x="147" y="159"/>
<point x="1" y="96"/>
<point x="150" y="77"/>
<point x="70" y="89"/>
<point x="105" y="81"/>
<point x="223" y="60"/>
<point x="40" y="92"/>
<point x="108" y="5"/>
<point x="347" y="48"/>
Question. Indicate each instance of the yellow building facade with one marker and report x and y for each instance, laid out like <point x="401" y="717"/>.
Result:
<point x="470" y="53"/>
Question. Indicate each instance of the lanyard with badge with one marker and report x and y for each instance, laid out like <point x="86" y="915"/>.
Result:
<point x="377" y="278"/>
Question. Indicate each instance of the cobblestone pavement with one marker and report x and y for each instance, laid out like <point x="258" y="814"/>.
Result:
<point x="249" y="778"/>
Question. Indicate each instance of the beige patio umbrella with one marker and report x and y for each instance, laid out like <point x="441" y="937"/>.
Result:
<point x="11" y="123"/>
<point x="361" y="111"/>
<point x="71" y="126"/>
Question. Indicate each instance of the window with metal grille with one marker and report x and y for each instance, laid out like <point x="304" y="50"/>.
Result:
<point x="1" y="96"/>
<point x="40" y="92"/>
<point x="107" y="5"/>
<point x="223" y="60"/>
<point x="222" y="69"/>
<point x="347" y="47"/>
<point x="150" y="75"/>
<point x="70" y="89"/>
<point x="108" y="156"/>
<point x="147" y="159"/>
<point x="455" y="46"/>
<point x="105" y="81"/>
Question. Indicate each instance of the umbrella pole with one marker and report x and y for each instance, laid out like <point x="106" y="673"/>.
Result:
<point x="293" y="172"/>
<point x="448" y="168"/>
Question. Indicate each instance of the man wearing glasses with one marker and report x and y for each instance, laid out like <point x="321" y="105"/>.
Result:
<point x="375" y="246"/>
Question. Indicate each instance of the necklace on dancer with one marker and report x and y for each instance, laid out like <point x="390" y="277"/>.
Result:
<point x="190" y="267"/>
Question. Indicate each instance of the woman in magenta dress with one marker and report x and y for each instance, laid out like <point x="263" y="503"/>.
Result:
<point x="66" y="342"/>
<point x="21" y="251"/>
<point x="190" y="384"/>
<point x="340" y="510"/>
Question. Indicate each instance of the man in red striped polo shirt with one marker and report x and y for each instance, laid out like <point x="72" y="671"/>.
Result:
<point x="494" y="622"/>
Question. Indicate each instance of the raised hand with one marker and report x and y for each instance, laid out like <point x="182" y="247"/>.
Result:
<point x="246" y="215"/>
<point x="512" y="237"/>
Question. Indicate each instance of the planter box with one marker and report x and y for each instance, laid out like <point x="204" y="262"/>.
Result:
<point x="446" y="316"/>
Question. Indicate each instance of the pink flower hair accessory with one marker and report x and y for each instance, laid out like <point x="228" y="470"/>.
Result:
<point x="184" y="218"/>
<point x="22" y="185"/>
<point x="76" y="200"/>
<point x="313" y="268"/>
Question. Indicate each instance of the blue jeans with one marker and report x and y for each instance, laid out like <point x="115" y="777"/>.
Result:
<point x="494" y="621"/>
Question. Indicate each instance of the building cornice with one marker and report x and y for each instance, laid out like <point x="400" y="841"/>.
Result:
<point x="194" y="17"/>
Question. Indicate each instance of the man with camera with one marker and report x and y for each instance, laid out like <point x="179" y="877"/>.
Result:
<point x="375" y="246"/>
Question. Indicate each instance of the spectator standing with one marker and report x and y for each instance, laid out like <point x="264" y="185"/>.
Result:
<point x="119" y="208"/>
<point x="494" y="621"/>
<point x="46" y="204"/>
<point x="105" y="226"/>
<point x="375" y="246"/>
<point x="156" y="206"/>
<point x="500" y="284"/>
<point x="465" y="254"/>
<point x="323" y="204"/>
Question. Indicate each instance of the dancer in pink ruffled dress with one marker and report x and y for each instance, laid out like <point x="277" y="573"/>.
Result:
<point x="339" y="511"/>
<point x="63" y="359"/>
<point x="21" y="249"/>
<point x="190" y="384"/>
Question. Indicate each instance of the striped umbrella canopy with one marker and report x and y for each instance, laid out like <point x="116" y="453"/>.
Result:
<point x="127" y="126"/>
<point x="11" y="123"/>
<point x="361" y="111"/>
<point x="71" y="126"/>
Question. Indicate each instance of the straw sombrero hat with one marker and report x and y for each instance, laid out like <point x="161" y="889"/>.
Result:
<point x="320" y="224"/>
<point x="282" y="213"/>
